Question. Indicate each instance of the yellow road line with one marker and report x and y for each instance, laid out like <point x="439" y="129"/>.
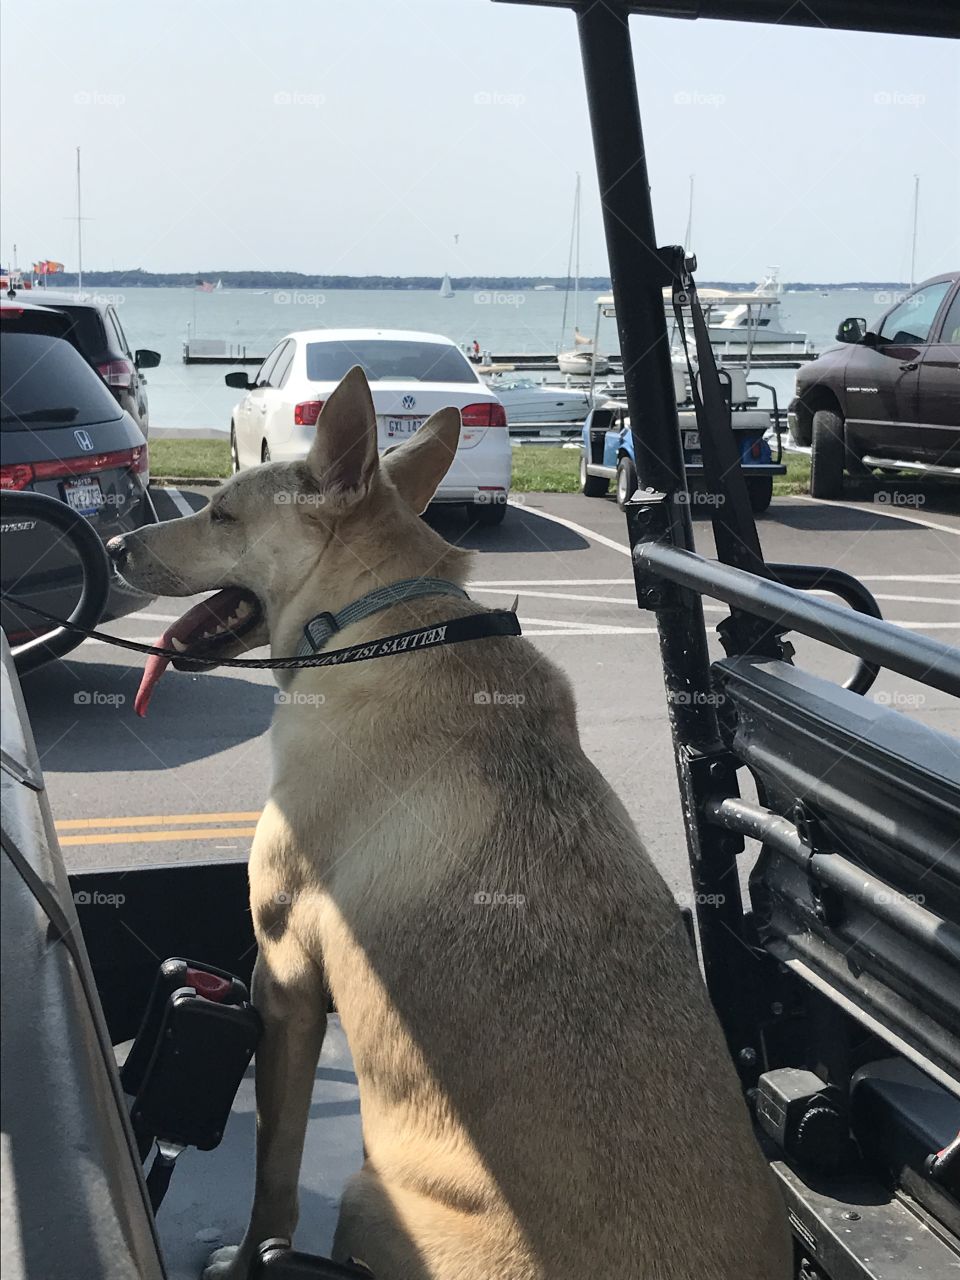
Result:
<point x="159" y="820"/>
<point x="142" y="837"/>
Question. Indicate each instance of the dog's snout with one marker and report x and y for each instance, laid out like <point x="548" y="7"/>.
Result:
<point x="118" y="551"/>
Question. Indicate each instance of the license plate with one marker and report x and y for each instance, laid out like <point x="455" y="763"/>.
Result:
<point x="84" y="496"/>
<point x="691" y="439"/>
<point x="402" y="426"/>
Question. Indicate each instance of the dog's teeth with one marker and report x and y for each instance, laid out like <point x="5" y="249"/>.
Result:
<point x="243" y="610"/>
<point x="178" y="645"/>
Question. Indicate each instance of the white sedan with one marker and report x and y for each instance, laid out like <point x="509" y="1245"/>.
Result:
<point x="411" y="375"/>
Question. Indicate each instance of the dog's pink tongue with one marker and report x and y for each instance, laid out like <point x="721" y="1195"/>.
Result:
<point x="151" y="674"/>
<point x="209" y="617"/>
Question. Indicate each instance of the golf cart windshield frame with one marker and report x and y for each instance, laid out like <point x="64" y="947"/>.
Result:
<point x="857" y="806"/>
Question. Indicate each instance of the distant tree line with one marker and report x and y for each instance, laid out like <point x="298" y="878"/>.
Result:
<point x="135" y="278"/>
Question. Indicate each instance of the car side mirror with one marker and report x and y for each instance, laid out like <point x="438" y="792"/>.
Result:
<point x="144" y="359"/>
<point x="853" y="329"/>
<point x="238" y="380"/>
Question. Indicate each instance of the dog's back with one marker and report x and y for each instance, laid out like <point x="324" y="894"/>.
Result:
<point x="545" y="1089"/>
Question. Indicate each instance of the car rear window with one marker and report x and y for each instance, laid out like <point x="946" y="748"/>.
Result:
<point x="45" y="382"/>
<point x="386" y="359"/>
<point x="88" y="330"/>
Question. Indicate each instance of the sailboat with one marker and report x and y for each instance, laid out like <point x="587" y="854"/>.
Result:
<point x="446" y="288"/>
<point x="586" y="361"/>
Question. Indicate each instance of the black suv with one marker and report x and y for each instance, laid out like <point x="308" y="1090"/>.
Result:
<point x="98" y="334"/>
<point x="890" y="393"/>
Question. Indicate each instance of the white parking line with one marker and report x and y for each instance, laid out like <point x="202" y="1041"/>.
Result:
<point x="575" y="528"/>
<point x="881" y="509"/>
<point x="178" y="500"/>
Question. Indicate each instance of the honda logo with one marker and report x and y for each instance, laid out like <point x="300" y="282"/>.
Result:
<point x="84" y="440"/>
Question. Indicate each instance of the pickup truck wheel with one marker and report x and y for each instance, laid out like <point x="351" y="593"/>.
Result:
<point x="591" y="486"/>
<point x="760" y="493"/>
<point x="626" y="481"/>
<point x="828" y="455"/>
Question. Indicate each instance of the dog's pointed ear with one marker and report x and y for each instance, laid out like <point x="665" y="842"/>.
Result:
<point x="343" y="456"/>
<point x="418" y="465"/>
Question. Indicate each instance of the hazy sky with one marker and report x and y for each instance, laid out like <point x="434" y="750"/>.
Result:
<point x="363" y="136"/>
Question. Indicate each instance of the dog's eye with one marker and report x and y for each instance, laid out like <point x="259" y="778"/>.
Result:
<point x="220" y="516"/>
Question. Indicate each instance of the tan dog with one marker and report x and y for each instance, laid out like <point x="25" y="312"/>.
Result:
<point x="545" y="1091"/>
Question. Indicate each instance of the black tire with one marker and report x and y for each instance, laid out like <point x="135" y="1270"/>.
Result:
<point x="828" y="455"/>
<point x="760" y="493"/>
<point x="487" y="513"/>
<point x="234" y="456"/>
<point x="264" y="452"/>
<point x="591" y="486"/>
<point x="626" y="481"/>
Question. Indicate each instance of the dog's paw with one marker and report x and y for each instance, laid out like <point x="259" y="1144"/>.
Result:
<point x="225" y="1264"/>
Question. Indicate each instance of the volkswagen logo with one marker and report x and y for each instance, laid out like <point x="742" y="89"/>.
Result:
<point x="84" y="440"/>
<point x="409" y="402"/>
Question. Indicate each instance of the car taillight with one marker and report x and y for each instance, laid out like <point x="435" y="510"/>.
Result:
<point x="306" y="414"/>
<point x="756" y="449"/>
<point x="18" y="475"/>
<point x="483" y="415"/>
<point x="116" y="373"/>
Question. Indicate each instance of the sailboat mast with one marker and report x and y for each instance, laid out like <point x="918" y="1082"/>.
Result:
<point x="576" y="278"/>
<point x="913" y="247"/>
<point x="688" y="234"/>
<point x="79" y="231"/>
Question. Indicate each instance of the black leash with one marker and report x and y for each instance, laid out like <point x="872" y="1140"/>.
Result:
<point x="475" y="626"/>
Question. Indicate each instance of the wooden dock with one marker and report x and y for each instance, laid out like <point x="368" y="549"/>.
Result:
<point x="217" y="351"/>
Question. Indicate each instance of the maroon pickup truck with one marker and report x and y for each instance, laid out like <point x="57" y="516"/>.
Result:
<point x="889" y="393"/>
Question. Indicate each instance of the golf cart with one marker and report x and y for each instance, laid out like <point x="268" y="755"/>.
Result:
<point x="607" y="444"/>
<point x="835" y="975"/>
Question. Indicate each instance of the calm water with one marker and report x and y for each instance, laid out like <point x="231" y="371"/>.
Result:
<point x="189" y="396"/>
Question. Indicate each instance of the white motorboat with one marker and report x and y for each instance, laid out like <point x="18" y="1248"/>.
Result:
<point x="582" y="364"/>
<point x="528" y="401"/>
<point x="741" y="322"/>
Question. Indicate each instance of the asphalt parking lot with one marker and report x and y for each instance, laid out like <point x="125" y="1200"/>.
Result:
<point x="188" y="782"/>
